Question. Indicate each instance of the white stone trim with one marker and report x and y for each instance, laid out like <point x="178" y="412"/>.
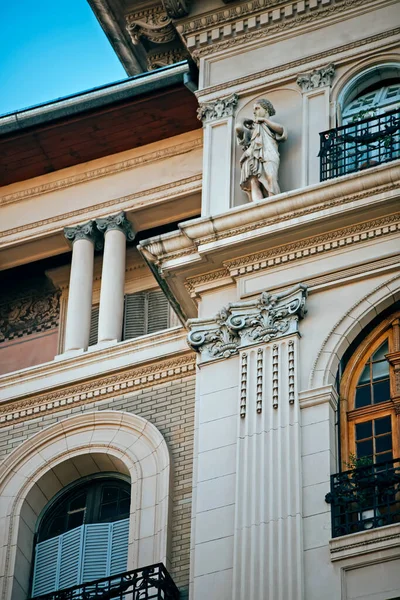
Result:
<point x="365" y="542"/>
<point x="345" y="330"/>
<point x="129" y="438"/>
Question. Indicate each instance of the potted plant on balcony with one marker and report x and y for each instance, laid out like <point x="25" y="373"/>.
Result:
<point x="362" y="482"/>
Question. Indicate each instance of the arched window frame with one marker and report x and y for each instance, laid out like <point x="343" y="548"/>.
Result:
<point x="349" y="415"/>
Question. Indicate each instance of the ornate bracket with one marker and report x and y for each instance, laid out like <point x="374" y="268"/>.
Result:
<point x="218" y="109"/>
<point x="317" y="78"/>
<point x="243" y="324"/>
<point x="119" y="222"/>
<point x="86" y="231"/>
<point x="153" y="24"/>
<point x="176" y="9"/>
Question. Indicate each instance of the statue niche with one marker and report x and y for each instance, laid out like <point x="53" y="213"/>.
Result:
<point x="259" y="162"/>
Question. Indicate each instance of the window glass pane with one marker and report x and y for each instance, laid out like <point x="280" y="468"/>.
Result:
<point x="364" y="449"/>
<point x="56" y="527"/>
<point x="365" y="375"/>
<point x="381" y="352"/>
<point x="384" y="457"/>
<point x="363" y="396"/>
<point x="383" y="443"/>
<point x="78" y="502"/>
<point x="110" y="494"/>
<point x="75" y="519"/>
<point x="124" y="507"/>
<point x="381" y="391"/>
<point x="364" y="430"/>
<point x="380" y="370"/>
<point x="108" y="511"/>
<point x="383" y="425"/>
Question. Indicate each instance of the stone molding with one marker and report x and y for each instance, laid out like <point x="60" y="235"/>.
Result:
<point x="117" y="222"/>
<point x="321" y="395"/>
<point x="113" y="169"/>
<point x="254" y="20"/>
<point x="317" y="78"/>
<point x="365" y="542"/>
<point x="299" y="250"/>
<point x="85" y="231"/>
<point x="101" y="388"/>
<point x="162" y="192"/>
<point x="153" y="24"/>
<point x="217" y="109"/>
<point x="247" y="323"/>
<point x="275" y="73"/>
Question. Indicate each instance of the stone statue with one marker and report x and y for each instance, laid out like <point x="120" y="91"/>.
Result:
<point x="260" y="161"/>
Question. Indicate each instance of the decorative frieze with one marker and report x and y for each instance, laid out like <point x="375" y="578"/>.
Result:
<point x="316" y="78"/>
<point x="218" y="109"/>
<point x="86" y="231"/>
<point x="246" y="323"/>
<point x="119" y="222"/>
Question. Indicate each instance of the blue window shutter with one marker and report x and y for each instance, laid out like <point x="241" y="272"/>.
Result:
<point x="95" y="563"/>
<point x="119" y="546"/>
<point x="70" y="557"/>
<point x="46" y="567"/>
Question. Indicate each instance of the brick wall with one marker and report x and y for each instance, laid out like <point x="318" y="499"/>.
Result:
<point x="170" y="407"/>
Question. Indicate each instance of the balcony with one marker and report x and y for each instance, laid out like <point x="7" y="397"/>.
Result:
<point x="365" y="498"/>
<point x="148" y="583"/>
<point x="359" y="145"/>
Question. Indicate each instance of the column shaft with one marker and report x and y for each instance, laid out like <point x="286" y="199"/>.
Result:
<point x="112" y="286"/>
<point x="80" y="296"/>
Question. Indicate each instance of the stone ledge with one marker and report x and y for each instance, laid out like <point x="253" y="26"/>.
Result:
<point x="365" y="542"/>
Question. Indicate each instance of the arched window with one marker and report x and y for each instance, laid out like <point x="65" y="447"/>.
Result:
<point x="370" y="398"/>
<point x="82" y="535"/>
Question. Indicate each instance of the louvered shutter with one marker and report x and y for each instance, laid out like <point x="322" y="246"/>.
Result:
<point x="158" y="311"/>
<point x="135" y="315"/>
<point x="94" y="326"/>
<point x="46" y="567"/>
<point x="70" y="558"/>
<point x="96" y="558"/>
<point x="119" y="546"/>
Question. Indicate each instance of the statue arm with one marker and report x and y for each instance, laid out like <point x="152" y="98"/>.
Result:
<point x="279" y="130"/>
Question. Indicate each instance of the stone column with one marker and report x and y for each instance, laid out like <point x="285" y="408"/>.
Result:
<point x="219" y="141"/>
<point x="84" y="238"/>
<point x="117" y="229"/>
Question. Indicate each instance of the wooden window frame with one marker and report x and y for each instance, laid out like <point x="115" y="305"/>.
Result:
<point x="349" y="415"/>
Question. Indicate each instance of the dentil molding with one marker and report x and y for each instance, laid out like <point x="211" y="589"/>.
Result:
<point x="243" y="324"/>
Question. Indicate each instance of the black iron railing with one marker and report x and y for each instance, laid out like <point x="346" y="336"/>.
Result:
<point x="149" y="583"/>
<point x="365" y="498"/>
<point x="360" y="145"/>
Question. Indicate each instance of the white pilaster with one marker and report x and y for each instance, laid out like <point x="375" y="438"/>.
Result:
<point x="83" y="238"/>
<point x="219" y="142"/>
<point x="268" y="545"/>
<point x="116" y="230"/>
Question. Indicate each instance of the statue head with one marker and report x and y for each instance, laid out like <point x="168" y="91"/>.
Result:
<point x="263" y="106"/>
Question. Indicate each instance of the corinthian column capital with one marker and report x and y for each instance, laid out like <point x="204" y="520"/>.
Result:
<point x="118" y="222"/>
<point x="85" y="231"/>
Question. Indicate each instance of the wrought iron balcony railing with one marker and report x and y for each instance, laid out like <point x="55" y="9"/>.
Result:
<point x="365" y="498"/>
<point x="148" y="583"/>
<point x="359" y="145"/>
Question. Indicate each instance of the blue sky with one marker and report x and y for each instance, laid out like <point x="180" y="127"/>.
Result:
<point x="50" y="49"/>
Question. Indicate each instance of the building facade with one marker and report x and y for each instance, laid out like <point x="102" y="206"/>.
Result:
<point x="200" y="390"/>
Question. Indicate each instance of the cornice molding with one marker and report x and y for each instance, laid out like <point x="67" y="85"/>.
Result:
<point x="101" y="388"/>
<point x="305" y="248"/>
<point x="277" y="71"/>
<point x="253" y="20"/>
<point x="92" y="174"/>
<point x="161" y="192"/>
<point x="248" y="323"/>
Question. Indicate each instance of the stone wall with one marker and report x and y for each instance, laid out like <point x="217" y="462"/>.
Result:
<point x="170" y="407"/>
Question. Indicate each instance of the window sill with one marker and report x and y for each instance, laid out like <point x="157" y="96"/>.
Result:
<point x="365" y="542"/>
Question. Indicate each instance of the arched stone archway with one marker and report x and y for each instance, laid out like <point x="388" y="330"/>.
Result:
<point x="93" y="442"/>
<point x="347" y="328"/>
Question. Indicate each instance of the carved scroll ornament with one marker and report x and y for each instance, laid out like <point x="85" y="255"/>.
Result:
<point x="317" y="78"/>
<point x="218" y="109"/>
<point x="247" y="323"/>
